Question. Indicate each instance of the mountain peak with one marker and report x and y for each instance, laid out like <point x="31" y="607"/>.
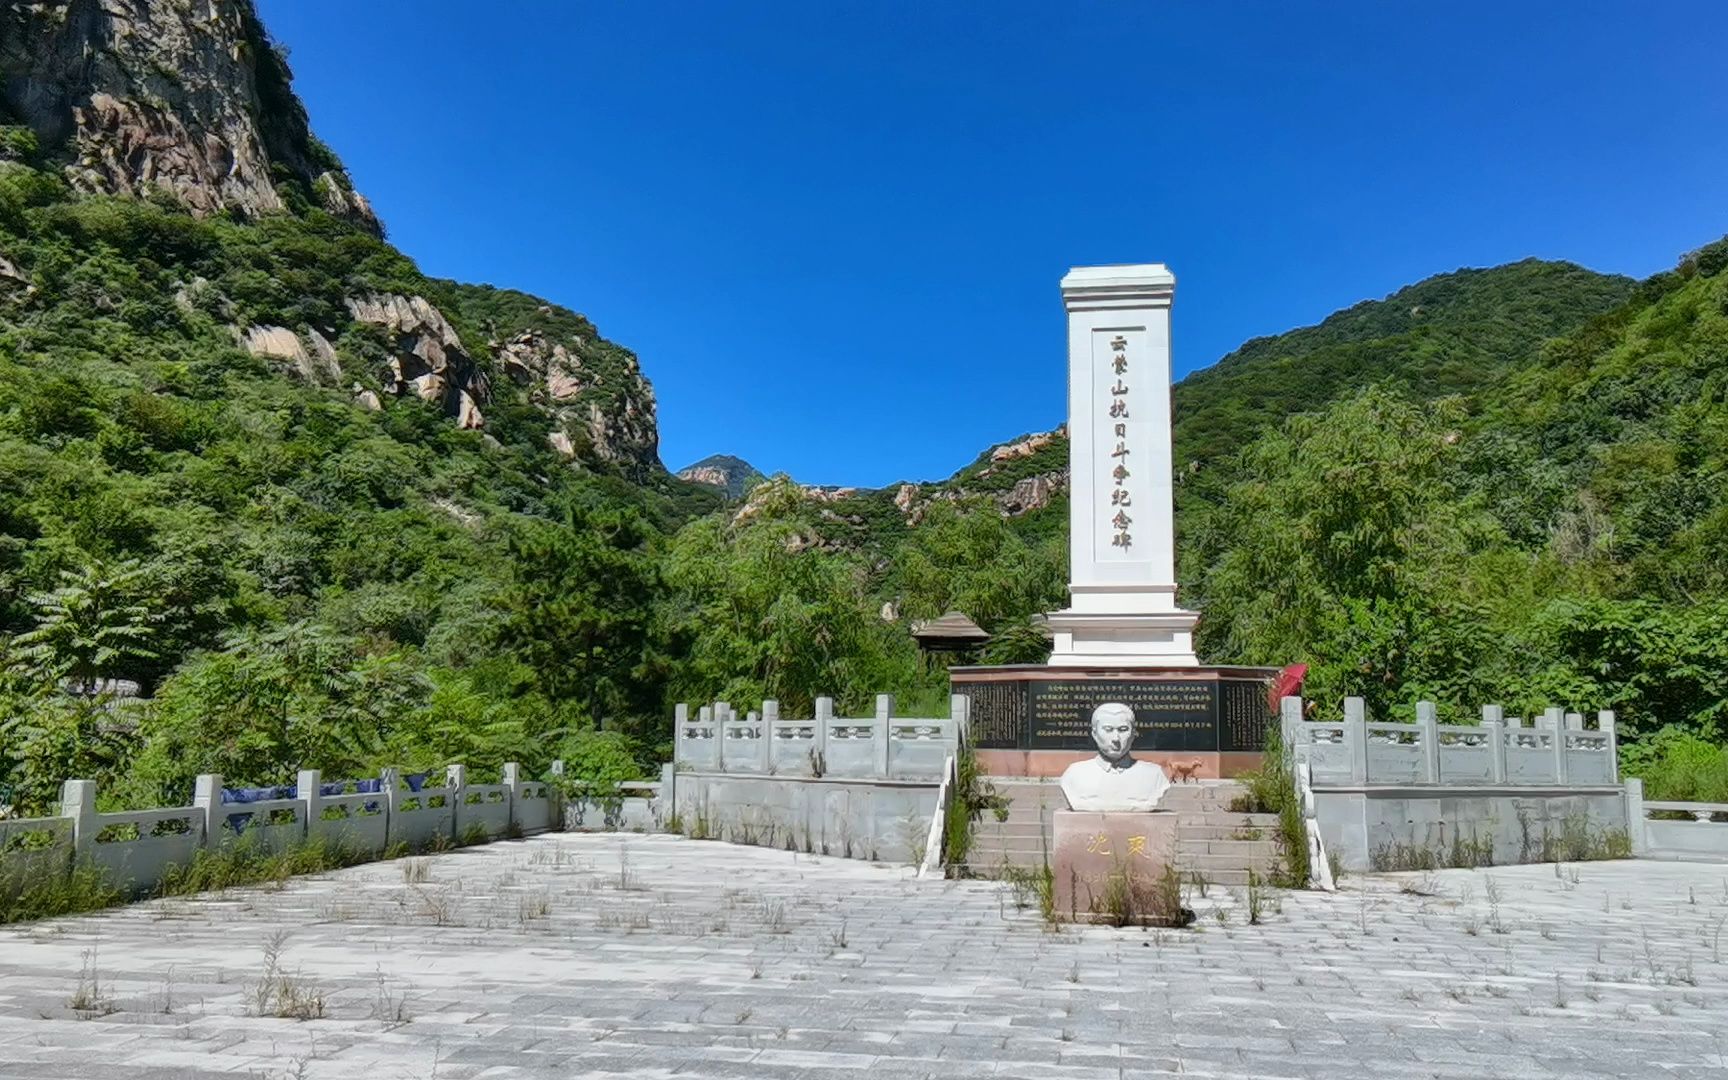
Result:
<point x="735" y="475"/>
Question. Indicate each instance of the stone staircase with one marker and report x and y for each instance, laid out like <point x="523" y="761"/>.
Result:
<point x="1212" y="841"/>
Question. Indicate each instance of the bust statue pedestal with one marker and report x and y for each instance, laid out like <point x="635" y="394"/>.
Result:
<point x="1116" y="867"/>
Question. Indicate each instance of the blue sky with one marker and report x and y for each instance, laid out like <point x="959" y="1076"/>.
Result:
<point x="833" y="231"/>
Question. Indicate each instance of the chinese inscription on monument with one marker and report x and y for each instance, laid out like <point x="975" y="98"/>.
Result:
<point x="1120" y="500"/>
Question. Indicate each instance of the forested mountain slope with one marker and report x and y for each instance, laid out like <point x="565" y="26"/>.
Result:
<point x="321" y="509"/>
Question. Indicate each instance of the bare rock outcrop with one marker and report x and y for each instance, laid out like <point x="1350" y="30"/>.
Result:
<point x="1028" y="446"/>
<point x="1032" y="493"/>
<point x="613" y="418"/>
<point x="427" y="358"/>
<point x="187" y="97"/>
<point x="312" y="359"/>
<point x="712" y="475"/>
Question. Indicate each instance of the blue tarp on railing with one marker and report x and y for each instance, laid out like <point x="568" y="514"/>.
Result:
<point x="238" y="822"/>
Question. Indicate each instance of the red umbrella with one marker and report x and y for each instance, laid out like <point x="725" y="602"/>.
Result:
<point x="1288" y="682"/>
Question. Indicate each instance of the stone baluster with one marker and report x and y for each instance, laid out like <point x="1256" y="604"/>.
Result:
<point x="824" y="721"/>
<point x="1494" y="724"/>
<point x="884" y="722"/>
<point x="1428" y="734"/>
<point x="1356" y="738"/>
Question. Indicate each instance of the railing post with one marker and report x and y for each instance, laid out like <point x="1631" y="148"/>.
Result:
<point x="388" y="778"/>
<point x="722" y="731"/>
<point x="668" y="795"/>
<point x="1290" y="723"/>
<point x="680" y="720"/>
<point x="1605" y="724"/>
<point x="1636" y="824"/>
<point x="309" y="789"/>
<point x="1494" y="723"/>
<point x="207" y="797"/>
<point x="555" y="790"/>
<point x="765" y="750"/>
<point x="78" y="802"/>
<point x="824" y="720"/>
<point x="512" y="781"/>
<point x="1555" y="721"/>
<point x="960" y="711"/>
<point x="455" y="780"/>
<point x="884" y="722"/>
<point x="1356" y="738"/>
<point x="1427" y="724"/>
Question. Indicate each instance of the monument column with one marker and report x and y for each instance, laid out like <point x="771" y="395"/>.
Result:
<point x="1122" y="587"/>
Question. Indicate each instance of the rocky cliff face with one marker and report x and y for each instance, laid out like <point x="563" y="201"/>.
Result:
<point x="186" y="97"/>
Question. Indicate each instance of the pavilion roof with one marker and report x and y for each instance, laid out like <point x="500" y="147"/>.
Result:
<point x="951" y="629"/>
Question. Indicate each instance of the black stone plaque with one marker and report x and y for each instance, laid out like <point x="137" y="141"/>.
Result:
<point x="1242" y="715"/>
<point x="998" y="714"/>
<point x="1172" y="715"/>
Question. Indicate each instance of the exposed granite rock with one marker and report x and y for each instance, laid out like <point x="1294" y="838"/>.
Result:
<point x="1028" y="446"/>
<point x="316" y="364"/>
<point x="712" y="475"/>
<point x="324" y="360"/>
<point x="616" y="423"/>
<point x="1028" y="494"/>
<point x="367" y="398"/>
<point x="427" y="358"/>
<point x="1032" y="493"/>
<point x="280" y="343"/>
<point x="182" y="96"/>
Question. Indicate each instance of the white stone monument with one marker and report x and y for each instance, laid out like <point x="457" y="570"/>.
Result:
<point x="1122" y="609"/>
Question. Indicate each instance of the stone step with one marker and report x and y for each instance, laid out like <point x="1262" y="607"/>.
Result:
<point x="1241" y="821"/>
<point x="1207" y="864"/>
<point x="1230" y="830"/>
<point x="1245" y="850"/>
<point x="1216" y="879"/>
<point x="1008" y="832"/>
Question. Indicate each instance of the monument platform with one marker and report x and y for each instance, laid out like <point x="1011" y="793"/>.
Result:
<point x="1198" y="722"/>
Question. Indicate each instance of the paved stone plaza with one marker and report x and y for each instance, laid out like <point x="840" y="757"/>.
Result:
<point x="649" y="956"/>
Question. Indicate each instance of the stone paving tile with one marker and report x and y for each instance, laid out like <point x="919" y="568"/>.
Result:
<point x="648" y="956"/>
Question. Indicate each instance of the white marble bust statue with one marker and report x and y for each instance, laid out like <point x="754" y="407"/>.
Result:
<point x="1114" y="780"/>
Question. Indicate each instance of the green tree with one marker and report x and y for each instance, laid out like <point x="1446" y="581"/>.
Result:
<point x="579" y="610"/>
<point x="90" y="628"/>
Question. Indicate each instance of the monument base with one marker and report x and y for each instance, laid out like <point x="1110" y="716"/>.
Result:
<point x="1117" y="868"/>
<point x="1114" y="639"/>
<point x="1199" y="723"/>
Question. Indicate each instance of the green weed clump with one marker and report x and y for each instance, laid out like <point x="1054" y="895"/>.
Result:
<point x="1271" y="789"/>
<point x="249" y="862"/>
<point x="26" y="896"/>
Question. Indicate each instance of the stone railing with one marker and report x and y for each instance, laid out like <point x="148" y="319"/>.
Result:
<point x="763" y="743"/>
<point x="1554" y="749"/>
<point x="1679" y="830"/>
<point x="136" y="848"/>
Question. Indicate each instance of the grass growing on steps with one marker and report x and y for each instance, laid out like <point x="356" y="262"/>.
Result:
<point x="1271" y="789"/>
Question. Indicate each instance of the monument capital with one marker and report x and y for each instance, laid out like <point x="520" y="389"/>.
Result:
<point x="1088" y="288"/>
